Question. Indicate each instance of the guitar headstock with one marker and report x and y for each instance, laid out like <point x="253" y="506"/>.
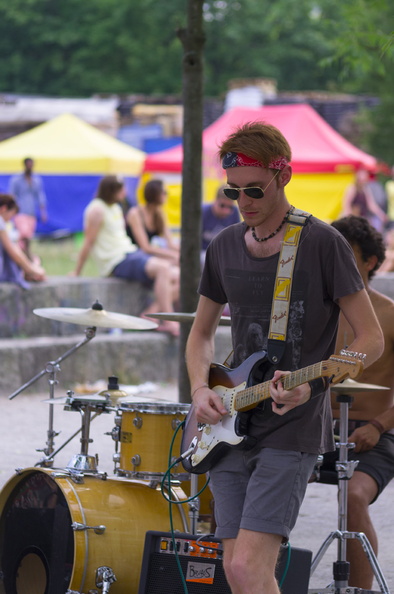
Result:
<point x="346" y="364"/>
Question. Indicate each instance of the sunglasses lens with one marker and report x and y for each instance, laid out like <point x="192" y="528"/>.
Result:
<point x="254" y="192"/>
<point x="231" y="193"/>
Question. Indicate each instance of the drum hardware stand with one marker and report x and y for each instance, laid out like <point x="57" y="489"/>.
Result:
<point x="194" y="504"/>
<point x="83" y="462"/>
<point x="341" y="568"/>
<point x="104" y="578"/>
<point x="51" y="368"/>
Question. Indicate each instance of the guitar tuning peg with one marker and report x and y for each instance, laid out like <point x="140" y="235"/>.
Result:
<point x="353" y="354"/>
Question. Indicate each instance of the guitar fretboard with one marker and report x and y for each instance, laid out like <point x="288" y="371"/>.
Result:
<point x="250" y="397"/>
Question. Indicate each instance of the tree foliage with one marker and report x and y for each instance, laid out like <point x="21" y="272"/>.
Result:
<point x="74" y="48"/>
<point x="117" y="46"/>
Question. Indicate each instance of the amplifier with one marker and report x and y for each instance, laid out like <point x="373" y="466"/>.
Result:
<point x="200" y="558"/>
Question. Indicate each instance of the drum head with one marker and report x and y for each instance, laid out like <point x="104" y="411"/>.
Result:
<point x="36" y="538"/>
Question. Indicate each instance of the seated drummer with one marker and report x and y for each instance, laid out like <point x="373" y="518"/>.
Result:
<point x="371" y="415"/>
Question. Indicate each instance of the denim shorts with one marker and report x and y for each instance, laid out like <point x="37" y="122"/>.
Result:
<point x="133" y="267"/>
<point x="259" y="489"/>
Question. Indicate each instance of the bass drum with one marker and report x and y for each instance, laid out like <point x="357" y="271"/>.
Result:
<point x="55" y="533"/>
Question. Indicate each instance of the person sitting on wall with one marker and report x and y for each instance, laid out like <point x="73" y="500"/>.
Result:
<point x="115" y="254"/>
<point x="147" y="226"/>
<point x="15" y="266"/>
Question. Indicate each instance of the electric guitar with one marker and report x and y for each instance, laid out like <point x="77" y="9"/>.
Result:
<point x="202" y="444"/>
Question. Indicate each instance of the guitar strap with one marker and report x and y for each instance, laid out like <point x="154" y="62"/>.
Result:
<point x="283" y="284"/>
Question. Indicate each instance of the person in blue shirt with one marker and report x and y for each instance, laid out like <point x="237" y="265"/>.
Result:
<point x="28" y="191"/>
<point x="217" y="215"/>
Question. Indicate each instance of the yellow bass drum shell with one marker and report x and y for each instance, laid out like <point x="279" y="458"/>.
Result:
<point x="55" y="533"/>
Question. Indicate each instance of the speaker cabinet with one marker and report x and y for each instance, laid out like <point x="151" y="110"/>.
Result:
<point x="200" y="559"/>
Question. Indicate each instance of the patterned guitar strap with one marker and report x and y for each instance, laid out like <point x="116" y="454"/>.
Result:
<point x="283" y="284"/>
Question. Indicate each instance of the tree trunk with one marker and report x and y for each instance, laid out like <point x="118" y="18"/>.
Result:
<point x="193" y="42"/>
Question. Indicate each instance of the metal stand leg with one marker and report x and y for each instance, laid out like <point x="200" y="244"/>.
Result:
<point x="345" y="469"/>
<point x="51" y="369"/>
<point x="194" y="505"/>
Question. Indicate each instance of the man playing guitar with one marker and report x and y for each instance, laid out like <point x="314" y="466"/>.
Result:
<point x="258" y="491"/>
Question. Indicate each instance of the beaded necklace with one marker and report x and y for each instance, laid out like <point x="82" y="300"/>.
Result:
<point x="260" y="239"/>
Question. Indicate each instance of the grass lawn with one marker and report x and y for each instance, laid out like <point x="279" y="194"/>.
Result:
<point x="59" y="256"/>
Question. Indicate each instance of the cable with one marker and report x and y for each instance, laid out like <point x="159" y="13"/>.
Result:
<point x="167" y="476"/>
<point x="286" y="569"/>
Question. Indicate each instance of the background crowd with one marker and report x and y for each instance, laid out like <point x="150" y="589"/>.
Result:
<point x="144" y="248"/>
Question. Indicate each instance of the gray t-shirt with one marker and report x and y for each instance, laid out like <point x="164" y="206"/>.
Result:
<point x="325" y="271"/>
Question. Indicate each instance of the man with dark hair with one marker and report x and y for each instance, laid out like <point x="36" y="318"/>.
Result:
<point x="258" y="492"/>
<point x="217" y="215"/>
<point x="371" y="416"/>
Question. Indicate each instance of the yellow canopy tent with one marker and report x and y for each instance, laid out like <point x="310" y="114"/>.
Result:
<point x="71" y="156"/>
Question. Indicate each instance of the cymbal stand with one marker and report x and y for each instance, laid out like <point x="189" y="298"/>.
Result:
<point x="51" y="369"/>
<point x="341" y="567"/>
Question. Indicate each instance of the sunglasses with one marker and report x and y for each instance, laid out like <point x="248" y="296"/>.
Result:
<point x="252" y="191"/>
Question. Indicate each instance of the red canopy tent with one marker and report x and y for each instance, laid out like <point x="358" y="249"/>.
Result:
<point x="323" y="161"/>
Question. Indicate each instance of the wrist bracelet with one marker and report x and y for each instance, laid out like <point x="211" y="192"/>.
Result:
<point x="199" y="387"/>
<point x="318" y="386"/>
<point x="378" y="425"/>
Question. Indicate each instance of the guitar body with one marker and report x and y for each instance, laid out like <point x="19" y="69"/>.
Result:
<point x="209" y="442"/>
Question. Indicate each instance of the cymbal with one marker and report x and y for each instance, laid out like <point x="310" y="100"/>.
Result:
<point x="89" y="399"/>
<point x="176" y="316"/>
<point x="350" y="385"/>
<point x="95" y="317"/>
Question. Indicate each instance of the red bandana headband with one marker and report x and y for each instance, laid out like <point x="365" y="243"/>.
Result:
<point x="241" y="160"/>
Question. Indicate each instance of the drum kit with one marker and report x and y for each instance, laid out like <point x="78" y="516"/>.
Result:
<point x="78" y="530"/>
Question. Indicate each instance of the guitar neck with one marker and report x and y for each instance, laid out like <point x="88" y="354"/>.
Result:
<point x="250" y="397"/>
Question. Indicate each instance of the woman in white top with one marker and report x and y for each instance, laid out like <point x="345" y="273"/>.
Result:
<point x="115" y="254"/>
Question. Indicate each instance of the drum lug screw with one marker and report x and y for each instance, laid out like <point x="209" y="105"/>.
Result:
<point x="136" y="460"/>
<point x="137" y="422"/>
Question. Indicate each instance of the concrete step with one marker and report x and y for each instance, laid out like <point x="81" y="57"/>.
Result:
<point x="134" y="357"/>
<point x="16" y="304"/>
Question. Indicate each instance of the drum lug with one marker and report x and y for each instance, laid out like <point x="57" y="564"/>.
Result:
<point x="104" y="578"/>
<point x="114" y="433"/>
<point x="175" y="423"/>
<point x="137" y="422"/>
<point x="77" y="526"/>
<point x="136" y="460"/>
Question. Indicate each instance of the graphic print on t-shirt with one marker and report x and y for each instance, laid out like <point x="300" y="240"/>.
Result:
<point x="251" y="321"/>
